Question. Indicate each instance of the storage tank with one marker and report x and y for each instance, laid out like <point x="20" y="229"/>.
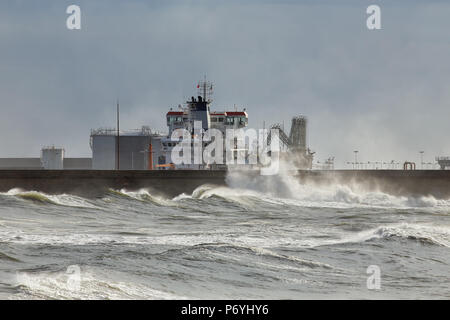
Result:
<point x="133" y="149"/>
<point x="52" y="158"/>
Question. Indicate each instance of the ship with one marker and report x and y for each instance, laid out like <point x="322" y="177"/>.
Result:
<point x="147" y="149"/>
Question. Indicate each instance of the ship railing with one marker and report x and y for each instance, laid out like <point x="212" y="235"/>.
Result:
<point x="113" y="132"/>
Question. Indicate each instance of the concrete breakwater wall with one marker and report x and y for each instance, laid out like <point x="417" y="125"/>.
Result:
<point x="93" y="183"/>
<point x="435" y="183"/>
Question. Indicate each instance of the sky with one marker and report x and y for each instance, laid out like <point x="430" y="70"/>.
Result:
<point x="385" y="93"/>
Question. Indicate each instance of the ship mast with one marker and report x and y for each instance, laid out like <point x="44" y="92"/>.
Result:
<point x="205" y="89"/>
<point x="118" y="138"/>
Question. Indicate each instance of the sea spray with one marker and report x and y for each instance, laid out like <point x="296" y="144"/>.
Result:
<point x="288" y="185"/>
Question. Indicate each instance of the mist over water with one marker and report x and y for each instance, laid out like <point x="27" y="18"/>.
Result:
<point x="257" y="238"/>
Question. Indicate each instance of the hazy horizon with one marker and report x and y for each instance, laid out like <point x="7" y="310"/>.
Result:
<point x="383" y="92"/>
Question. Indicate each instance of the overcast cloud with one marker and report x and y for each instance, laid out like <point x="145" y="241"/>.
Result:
<point x="385" y="93"/>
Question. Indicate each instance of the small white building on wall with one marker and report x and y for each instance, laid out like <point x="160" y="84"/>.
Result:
<point x="52" y="158"/>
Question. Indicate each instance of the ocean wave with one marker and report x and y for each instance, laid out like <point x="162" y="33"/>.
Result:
<point x="286" y="187"/>
<point x="258" y="251"/>
<point x="251" y="195"/>
<point x="92" y="285"/>
<point x="439" y="235"/>
<point x="142" y="195"/>
<point x="4" y="256"/>
<point x="254" y="195"/>
<point x="425" y="234"/>
<point x="17" y="236"/>
<point x="66" y="200"/>
<point x="244" y="198"/>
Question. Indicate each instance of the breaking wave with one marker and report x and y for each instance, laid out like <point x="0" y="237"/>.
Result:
<point x="284" y="186"/>
<point x="337" y="196"/>
<point x="91" y="286"/>
<point x="425" y="234"/>
<point x="270" y="254"/>
<point x="43" y="198"/>
<point x="141" y="195"/>
<point x="250" y="191"/>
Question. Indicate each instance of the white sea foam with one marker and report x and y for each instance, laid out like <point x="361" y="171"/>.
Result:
<point x="92" y="286"/>
<point x="439" y="235"/>
<point x="285" y="187"/>
<point x="334" y="196"/>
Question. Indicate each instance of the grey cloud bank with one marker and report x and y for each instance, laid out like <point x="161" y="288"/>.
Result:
<point x="384" y="93"/>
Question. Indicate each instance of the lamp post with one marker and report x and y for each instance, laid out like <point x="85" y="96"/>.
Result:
<point x="421" y="159"/>
<point x="356" y="158"/>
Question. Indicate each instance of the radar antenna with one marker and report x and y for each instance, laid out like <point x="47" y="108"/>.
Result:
<point x="205" y="89"/>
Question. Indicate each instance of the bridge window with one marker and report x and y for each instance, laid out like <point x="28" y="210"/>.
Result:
<point x="174" y="119"/>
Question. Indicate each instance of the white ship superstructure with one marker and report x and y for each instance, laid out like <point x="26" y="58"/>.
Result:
<point x="197" y="110"/>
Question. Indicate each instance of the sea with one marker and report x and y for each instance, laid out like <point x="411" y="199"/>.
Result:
<point x="275" y="238"/>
